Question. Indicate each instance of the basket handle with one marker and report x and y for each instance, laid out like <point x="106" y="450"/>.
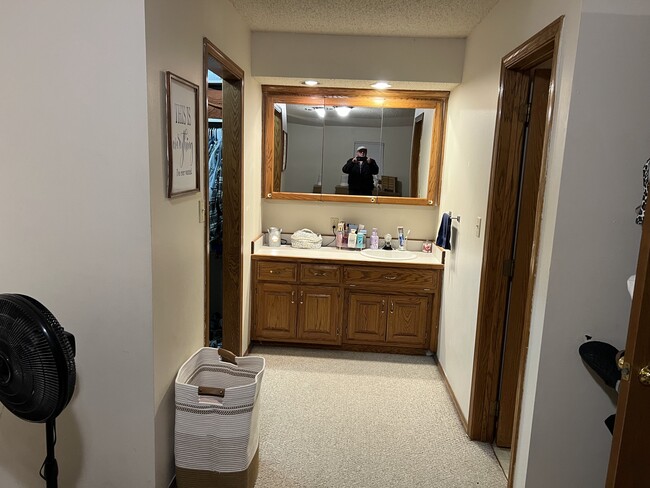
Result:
<point x="208" y="390"/>
<point x="227" y="356"/>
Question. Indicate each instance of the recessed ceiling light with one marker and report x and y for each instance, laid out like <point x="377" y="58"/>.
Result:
<point x="380" y="85"/>
<point x="310" y="82"/>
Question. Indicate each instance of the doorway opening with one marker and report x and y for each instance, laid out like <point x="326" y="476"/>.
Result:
<point x="513" y="221"/>
<point x="223" y="90"/>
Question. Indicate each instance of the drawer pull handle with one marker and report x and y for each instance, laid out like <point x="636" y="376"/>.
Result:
<point x="390" y="277"/>
<point x="301" y="295"/>
<point x="271" y="271"/>
<point x="293" y="297"/>
<point x="319" y="273"/>
<point x="392" y="306"/>
<point x="383" y="306"/>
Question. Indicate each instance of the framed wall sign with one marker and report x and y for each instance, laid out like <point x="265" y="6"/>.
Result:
<point x="182" y="136"/>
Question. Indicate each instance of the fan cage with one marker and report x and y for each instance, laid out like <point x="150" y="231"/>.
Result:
<point x="37" y="371"/>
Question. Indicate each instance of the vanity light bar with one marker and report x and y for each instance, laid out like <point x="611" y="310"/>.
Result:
<point x="310" y="82"/>
<point x="380" y="85"/>
<point x="341" y="110"/>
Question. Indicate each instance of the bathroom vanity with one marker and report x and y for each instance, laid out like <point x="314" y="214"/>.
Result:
<point x="340" y="298"/>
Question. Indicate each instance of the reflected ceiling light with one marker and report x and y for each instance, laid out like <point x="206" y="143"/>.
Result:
<point x="343" y="111"/>
<point x="310" y="82"/>
<point x="320" y="111"/>
<point x="380" y="85"/>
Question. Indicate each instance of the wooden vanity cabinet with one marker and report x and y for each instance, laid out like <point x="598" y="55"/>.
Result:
<point x="390" y="306"/>
<point x="308" y="313"/>
<point x="380" y="306"/>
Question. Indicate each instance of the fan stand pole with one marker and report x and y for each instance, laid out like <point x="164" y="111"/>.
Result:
<point x="51" y="468"/>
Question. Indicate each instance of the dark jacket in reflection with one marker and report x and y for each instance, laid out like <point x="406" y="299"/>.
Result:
<point x="360" y="180"/>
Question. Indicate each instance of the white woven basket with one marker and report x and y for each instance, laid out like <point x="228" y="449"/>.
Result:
<point x="217" y="411"/>
<point x="306" y="239"/>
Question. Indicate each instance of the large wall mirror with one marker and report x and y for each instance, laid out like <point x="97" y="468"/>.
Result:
<point x="311" y="133"/>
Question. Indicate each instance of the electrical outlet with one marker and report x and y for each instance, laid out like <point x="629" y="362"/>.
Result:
<point x="334" y="221"/>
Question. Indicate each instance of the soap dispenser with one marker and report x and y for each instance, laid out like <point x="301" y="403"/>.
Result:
<point x="374" y="239"/>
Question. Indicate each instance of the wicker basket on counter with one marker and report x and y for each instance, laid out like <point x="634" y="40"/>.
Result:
<point x="306" y="239"/>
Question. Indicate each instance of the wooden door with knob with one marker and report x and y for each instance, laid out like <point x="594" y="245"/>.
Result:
<point x="631" y="439"/>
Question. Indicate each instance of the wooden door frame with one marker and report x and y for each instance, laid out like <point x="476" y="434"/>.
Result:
<point x="490" y="332"/>
<point x="232" y="234"/>
<point x="415" y="162"/>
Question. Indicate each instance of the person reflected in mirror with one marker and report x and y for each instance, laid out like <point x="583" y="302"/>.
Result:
<point x="361" y="169"/>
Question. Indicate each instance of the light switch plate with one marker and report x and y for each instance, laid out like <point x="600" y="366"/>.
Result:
<point x="201" y="211"/>
<point x="478" y="226"/>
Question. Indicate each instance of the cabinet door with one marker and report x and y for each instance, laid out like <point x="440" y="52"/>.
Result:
<point x="276" y="311"/>
<point x="407" y="321"/>
<point x="319" y="314"/>
<point x="366" y="318"/>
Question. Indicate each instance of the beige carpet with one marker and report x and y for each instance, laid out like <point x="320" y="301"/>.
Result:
<point x="347" y="419"/>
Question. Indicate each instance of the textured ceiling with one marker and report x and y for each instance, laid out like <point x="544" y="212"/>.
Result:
<point x="406" y="18"/>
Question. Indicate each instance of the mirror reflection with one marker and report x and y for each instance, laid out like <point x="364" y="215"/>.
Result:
<point x="299" y="135"/>
<point x="310" y="134"/>
<point x="316" y="149"/>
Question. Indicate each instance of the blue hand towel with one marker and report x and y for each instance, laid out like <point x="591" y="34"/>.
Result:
<point x="444" y="233"/>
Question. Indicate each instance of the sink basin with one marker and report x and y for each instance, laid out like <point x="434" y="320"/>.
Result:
<point x="388" y="255"/>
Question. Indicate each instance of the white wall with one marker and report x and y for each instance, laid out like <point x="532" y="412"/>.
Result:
<point x="597" y="147"/>
<point x="467" y="163"/>
<point x="175" y="32"/>
<point x="294" y="215"/>
<point x="595" y="247"/>
<point x="76" y="233"/>
<point x="281" y="54"/>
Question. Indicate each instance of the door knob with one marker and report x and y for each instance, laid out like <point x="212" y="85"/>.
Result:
<point x="644" y="376"/>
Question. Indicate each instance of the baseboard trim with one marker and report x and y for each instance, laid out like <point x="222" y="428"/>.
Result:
<point x="173" y="483"/>
<point x="459" y="411"/>
<point x="342" y="347"/>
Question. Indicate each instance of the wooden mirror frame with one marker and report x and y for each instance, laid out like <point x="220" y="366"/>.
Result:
<point x="272" y="94"/>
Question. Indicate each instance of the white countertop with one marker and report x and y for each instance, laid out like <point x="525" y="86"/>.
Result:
<point x="332" y="253"/>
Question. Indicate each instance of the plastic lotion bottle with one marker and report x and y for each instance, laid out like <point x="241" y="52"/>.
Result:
<point x="352" y="239"/>
<point x="339" y="235"/>
<point x="361" y="239"/>
<point x="374" y="239"/>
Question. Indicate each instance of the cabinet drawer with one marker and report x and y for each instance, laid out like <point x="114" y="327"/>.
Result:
<point x="320" y="273"/>
<point x="398" y="277"/>
<point x="273" y="271"/>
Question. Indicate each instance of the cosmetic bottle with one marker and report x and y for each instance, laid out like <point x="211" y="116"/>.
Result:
<point x="361" y="239"/>
<point x="374" y="239"/>
<point x="352" y="239"/>
<point x="339" y="235"/>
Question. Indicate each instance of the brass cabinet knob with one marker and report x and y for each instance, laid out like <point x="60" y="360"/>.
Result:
<point x="644" y="376"/>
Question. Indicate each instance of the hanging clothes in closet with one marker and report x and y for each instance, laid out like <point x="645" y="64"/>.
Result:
<point x="215" y="181"/>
